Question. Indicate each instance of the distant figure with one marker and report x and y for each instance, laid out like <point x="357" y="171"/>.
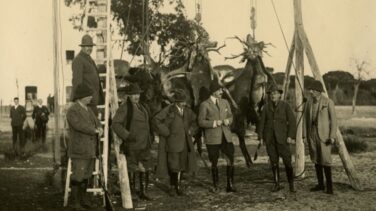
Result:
<point x="321" y="133"/>
<point x="17" y="115"/>
<point x="40" y="115"/>
<point x="277" y="128"/>
<point x="132" y="124"/>
<point x="84" y="129"/>
<point x="29" y="124"/>
<point x="85" y="72"/>
<point x="175" y="124"/>
<point x="215" y="117"/>
<point x="51" y="103"/>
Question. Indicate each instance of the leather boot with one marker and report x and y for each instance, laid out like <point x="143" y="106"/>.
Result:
<point x="173" y="180"/>
<point x="84" y="200"/>
<point x="320" y="179"/>
<point x="230" y="179"/>
<point x="178" y="187"/>
<point x="143" y="195"/>
<point x="214" y="171"/>
<point x="76" y="197"/>
<point x="328" y="177"/>
<point x="290" y="178"/>
<point x="276" y="177"/>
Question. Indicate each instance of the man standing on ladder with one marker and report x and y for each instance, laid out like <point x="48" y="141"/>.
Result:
<point x="85" y="71"/>
<point x="84" y="128"/>
<point x="132" y="124"/>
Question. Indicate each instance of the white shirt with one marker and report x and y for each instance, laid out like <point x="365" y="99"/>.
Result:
<point x="181" y="110"/>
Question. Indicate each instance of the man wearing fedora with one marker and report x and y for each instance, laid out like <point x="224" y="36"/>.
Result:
<point x="84" y="128"/>
<point x="85" y="71"/>
<point x="215" y="117"/>
<point x="320" y="130"/>
<point x="277" y="128"/>
<point x="132" y="124"/>
<point x="175" y="124"/>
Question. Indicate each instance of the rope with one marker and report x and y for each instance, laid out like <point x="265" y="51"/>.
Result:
<point x="287" y="47"/>
<point x="126" y="27"/>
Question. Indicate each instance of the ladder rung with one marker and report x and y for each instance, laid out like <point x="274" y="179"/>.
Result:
<point x="95" y="173"/>
<point x="96" y="29"/>
<point x="94" y="190"/>
<point x="103" y="139"/>
<point x="101" y="106"/>
<point x="102" y="74"/>
<point x="103" y="122"/>
<point x="101" y="14"/>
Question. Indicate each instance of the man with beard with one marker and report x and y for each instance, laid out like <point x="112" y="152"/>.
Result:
<point x="85" y="72"/>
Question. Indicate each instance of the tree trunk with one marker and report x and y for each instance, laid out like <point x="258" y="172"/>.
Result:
<point x="356" y="89"/>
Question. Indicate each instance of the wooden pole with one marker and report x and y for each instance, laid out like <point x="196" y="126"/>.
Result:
<point x="299" y="87"/>
<point x="56" y="62"/>
<point x="286" y="80"/>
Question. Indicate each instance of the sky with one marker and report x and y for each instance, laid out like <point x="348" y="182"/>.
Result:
<point x="338" y="30"/>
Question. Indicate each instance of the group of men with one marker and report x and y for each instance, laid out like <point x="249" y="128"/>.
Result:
<point x="33" y="118"/>
<point x="177" y="123"/>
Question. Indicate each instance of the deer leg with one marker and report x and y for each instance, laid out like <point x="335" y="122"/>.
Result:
<point x="244" y="150"/>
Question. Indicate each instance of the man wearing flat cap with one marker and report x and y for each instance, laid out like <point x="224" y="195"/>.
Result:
<point x="84" y="128"/>
<point x="175" y="124"/>
<point x="132" y="124"/>
<point x="85" y="72"/>
<point x="277" y="128"/>
<point x="215" y="117"/>
<point x="320" y="130"/>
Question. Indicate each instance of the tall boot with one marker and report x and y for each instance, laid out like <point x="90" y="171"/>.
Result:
<point x="320" y="179"/>
<point x="143" y="194"/>
<point x="230" y="179"/>
<point x="290" y="178"/>
<point x="214" y="171"/>
<point x="328" y="177"/>
<point x="75" y="196"/>
<point x="173" y="181"/>
<point x="132" y="184"/>
<point x="84" y="200"/>
<point x="178" y="187"/>
<point x="276" y="178"/>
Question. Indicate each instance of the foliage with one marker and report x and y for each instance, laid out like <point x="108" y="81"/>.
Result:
<point x="143" y="23"/>
<point x="354" y="144"/>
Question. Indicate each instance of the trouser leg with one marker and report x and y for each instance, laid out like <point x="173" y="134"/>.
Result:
<point x="230" y="179"/>
<point x="320" y="178"/>
<point x="328" y="177"/>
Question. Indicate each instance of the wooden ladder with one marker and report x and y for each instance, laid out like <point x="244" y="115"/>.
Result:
<point x="97" y="23"/>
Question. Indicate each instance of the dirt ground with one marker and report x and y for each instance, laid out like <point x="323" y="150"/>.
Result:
<point x="30" y="185"/>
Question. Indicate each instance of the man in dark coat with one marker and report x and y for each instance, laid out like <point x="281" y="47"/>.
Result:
<point x="18" y="116"/>
<point x="277" y="128"/>
<point x="85" y="71"/>
<point x="132" y="124"/>
<point x="320" y="130"/>
<point x="40" y="115"/>
<point x="215" y="117"/>
<point x="175" y="124"/>
<point x="84" y="128"/>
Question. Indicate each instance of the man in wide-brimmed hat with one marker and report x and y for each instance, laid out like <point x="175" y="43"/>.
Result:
<point x="215" y="117"/>
<point x="85" y="71"/>
<point x="320" y="130"/>
<point x="84" y="129"/>
<point x="176" y="124"/>
<point x="277" y="128"/>
<point x="132" y="124"/>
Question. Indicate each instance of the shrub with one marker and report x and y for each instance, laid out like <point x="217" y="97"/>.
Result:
<point x="353" y="144"/>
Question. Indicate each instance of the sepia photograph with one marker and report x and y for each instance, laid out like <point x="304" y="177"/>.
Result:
<point x="259" y="105"/>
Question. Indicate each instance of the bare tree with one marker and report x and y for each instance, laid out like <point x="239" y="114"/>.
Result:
<point x="360" y="74"/>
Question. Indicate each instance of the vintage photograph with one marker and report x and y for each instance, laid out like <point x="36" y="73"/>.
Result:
<point x="188" y="105"/>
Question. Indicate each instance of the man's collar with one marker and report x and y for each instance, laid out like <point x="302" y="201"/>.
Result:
<point x="213" y="99"/>
<point x="82" y="105"/>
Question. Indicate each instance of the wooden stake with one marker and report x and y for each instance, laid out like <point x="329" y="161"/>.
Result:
<point x="286" y="80"/>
